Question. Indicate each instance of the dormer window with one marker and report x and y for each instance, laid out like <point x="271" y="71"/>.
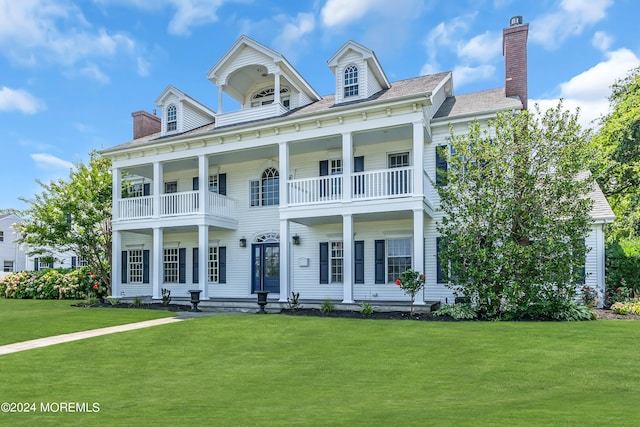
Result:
<point x="351" y="81"/>
<point x="172" y="118"/>
<point x="266" y="97"/>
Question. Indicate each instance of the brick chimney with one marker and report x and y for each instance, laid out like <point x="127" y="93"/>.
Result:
<point x="514" y="49"/>
<point x="144" y="124"/>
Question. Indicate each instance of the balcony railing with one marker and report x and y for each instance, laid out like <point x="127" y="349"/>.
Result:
<point x="172" y="204"/>
<point x="377" y="184"/>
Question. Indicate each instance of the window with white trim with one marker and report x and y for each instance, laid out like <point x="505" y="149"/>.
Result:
<point x="135" y="265"/>
<point x="214" y="185"/>
<point x="266" y="190"/>
<point x="213" y="265"/>
<point x="398" y="258"/>
<point x="336" y="257"/>
<point x="170" y="265"/>
<point x="172" y="118"/>
<point x="8" y="267"/>
<point x="1" y="236"/>
<point x="350" y="81"/>
<point x="171" y="187"/>
<point x="267" y="96"/>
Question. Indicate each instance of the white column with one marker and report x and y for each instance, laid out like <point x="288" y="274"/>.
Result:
<point x="158" y="180"/>
<point x="203" y="255"/>
<point x="116" y="194"/>
<point x="347" y="258"/>
<point x="347" y="166"/>
<point x="285" y="264"/>
<point x="219" y="99"/>
<point x="283" y="154"/>
<point x="116" y="263"/>
<point x="203" y="183"/>
<point x="418" y="249"/>
<point x="276" y="87"/>
<point x="157" y="264"/>
<point x="418" y="157"/>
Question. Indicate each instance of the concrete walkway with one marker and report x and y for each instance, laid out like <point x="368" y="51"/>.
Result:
<point x="43" y="342"/>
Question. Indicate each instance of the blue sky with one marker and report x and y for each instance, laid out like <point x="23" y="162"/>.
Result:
<point x="71" y="72"/>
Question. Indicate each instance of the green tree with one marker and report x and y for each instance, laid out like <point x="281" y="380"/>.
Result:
<point x="74" y="216"/>
<point x="515" y="213"/>
<point x="617" y="168"/>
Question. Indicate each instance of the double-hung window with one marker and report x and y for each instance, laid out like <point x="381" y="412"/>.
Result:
<point x="398" y="258"/>
<point x="213" y="265"/>
<point x="135" y="265"/>
<point x="172" y="118"/>
<point x="170" y="265"/>
<point x="350" y="81"/>
<point x="266" y="190"/>
<point x="337" y="262"/>
<point x="8" y="267"/>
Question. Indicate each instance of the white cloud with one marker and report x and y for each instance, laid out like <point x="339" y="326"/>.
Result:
<point x="483" y="47"/>
<point x="293" y="32"/>
<point x="590" y="89"/>
<point x="340" y="12"/>
<point x="49" y="161"/>
<point x="601" y="41"/>
<point x="42" y="32"/>
<point x="94" y="72"/>
<point x="19" y="100"/>
<point x="465" y="74"/>
<point x="143" y="66"/>
<point x="191" y="13"/>
<point x="570" y="19"/>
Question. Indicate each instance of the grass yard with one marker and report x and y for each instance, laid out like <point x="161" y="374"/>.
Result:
<point x="22" y="320"/>
<point x="237" y="370"/>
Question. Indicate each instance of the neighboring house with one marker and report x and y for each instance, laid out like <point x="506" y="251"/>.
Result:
<point x="12" y="256"/>
<point x="333" y="197"/>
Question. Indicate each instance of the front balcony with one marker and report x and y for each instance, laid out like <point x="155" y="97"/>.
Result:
<point x="371" y="185"/>
<point x="175" y="204"/>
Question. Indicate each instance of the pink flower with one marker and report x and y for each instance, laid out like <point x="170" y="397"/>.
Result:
<point x="424" y="277"/>
<point x="95" y="286"/>
<point x="398" y="282"/>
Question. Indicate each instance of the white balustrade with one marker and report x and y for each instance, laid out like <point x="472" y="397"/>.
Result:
<point x="135" y="207"/>
<point x="182" y="203"/>
<point x="382" y="183"/>
<point x="220" y="205"/>
<point x="315" y="190"/>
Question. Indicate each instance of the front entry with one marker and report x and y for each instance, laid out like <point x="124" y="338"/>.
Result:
<point x="266" y="267"/>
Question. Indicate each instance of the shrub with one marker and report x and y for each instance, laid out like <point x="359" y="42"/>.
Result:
<point x="327" y="306"/>
<point x="166" y="297"/>
<point x="294" y="301"/>
<point x="622" y="261"/>
<point x="588" y="296"/>
<point x="464" y="311"/>
<point x="629" y="307"/>
<point x="411" y="282"/>
<point x="366" y="308"/>
<point x="59" y="283"/>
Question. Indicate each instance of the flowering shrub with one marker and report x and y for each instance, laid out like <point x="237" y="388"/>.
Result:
<point x="61" y="283"/>
<point x="620" y="293"/>
<point x="411" y="282"/>
<point x="629" y="307"/>
<point x="589" y="296"/>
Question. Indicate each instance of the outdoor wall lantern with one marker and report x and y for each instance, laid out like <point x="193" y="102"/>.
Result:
<point x="296" y="239"/>
<point x="243" y="243"/>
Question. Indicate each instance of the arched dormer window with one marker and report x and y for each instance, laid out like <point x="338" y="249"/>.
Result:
<point x="266" y="190"/>
<point x="350" y="81"/>
<point x="172" y="118"/>
<point x="266" y="96"/>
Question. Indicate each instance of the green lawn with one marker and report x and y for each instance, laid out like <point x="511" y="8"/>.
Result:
<point x="236" y="370"/>
<point x="22" y="320"/>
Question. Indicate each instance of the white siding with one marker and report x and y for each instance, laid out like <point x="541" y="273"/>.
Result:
<point x="192" y="118"/>
<point x="372" y="83"/>
<point x="247" y="56"/>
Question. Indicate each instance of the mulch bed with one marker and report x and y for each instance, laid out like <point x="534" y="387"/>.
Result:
<point x="602" y="314"/>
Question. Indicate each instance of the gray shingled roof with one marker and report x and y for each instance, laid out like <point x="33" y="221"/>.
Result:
<point x="476" y="102"/>
<point x="400" y="89"/>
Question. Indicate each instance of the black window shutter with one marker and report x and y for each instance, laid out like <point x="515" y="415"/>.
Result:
<point x="195" y="272"/>
<point x="222" y="184"/>
<point x="379" y="261"/>
<point x="441" y="165"/>
<point x="583" y="267"/>
<point x="222" y="264"/>
<point x="51" y="264"/>
<point x="74" y="261"/>
<point x="196" y="183"/>
<point x="123" y="267"/>
<point x="146" y="189"/>
<point x="358" y="164"/>
<point x="358" y="252"/>
<point x="358" y="183"/>
<point x="324" y="171"/>
<point x="36" y="264"/>
<point x="182" y="265"/>
<point x="439" y="271"/>
<point x="324" y="262"/>
<point x="145" y="266"/>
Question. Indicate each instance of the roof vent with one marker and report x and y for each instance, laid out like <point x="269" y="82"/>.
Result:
<point x="516" y="20"/>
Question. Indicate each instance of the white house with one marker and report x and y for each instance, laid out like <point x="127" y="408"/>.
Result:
<point x="330" y="196"/>
<point x="12" y="255"/>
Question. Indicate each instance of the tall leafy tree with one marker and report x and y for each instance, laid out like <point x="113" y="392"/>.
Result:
<point x="516" y="213"/>
<point x="617" y="168"/>
<point x="74" y="216"/>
